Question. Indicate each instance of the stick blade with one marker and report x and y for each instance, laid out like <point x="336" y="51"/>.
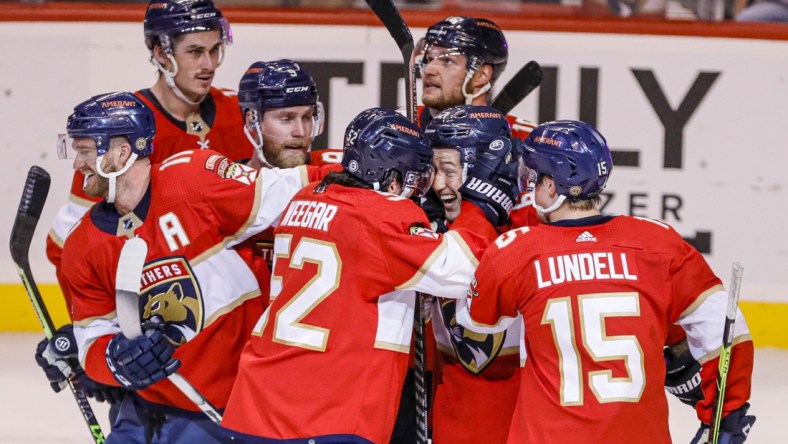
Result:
<point x="127" y="286"/>
<point x="34" y="196"/>
<point x="527" y="79"/>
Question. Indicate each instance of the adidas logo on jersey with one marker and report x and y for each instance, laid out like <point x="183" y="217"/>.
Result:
<point x="585" y="236"/>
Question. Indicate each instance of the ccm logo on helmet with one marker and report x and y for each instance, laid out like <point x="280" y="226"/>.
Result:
<point x="296" y="89"/>
<point x="204" y="15"/>
<point x="491" y="192"/>
<point x="548" y="141"/>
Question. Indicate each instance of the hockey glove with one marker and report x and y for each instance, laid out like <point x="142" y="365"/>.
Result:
<point x="734" y="428"/>
<point x="683" y="374"/>
<point x="435" y="210"/>
<point x="58" y="358"/>
<point x="140" y="362"/>
<point x="492" y="183"/>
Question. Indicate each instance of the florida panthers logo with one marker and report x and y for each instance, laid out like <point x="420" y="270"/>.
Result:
<point x="171" y="293"/>
<point x="474" y="351"/>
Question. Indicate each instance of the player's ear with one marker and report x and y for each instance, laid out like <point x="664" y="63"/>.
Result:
<point x="482" y="77"/>
<point x="125" y="151"/>
<point x="395" y="187"/>
<point x="158" y="54"/>
<point x="548" y="182"/>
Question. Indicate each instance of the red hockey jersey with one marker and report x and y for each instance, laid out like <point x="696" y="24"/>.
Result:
<point x="198" y="205"/>
<point x="331" y="351"/>
<point x="218" y="127"/>
<point x="598" y="301"/>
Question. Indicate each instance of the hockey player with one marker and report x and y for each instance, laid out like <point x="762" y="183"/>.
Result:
<point x="477" y="375"/>
<point x="462" y="59"/>
<point x="186" y="40"/>
<point x="597" y="295"/>
<point x="460" y="62"/>
<point x="355" y="248"/>
<point x="282" y="115"/>
<point x="199" y="298"/>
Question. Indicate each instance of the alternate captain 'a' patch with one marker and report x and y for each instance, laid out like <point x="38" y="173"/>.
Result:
<point x="170" y="292"/>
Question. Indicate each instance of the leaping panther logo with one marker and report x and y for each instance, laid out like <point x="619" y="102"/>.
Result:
<point x="170" y="292"/>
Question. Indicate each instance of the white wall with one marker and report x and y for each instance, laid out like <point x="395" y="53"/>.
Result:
<point x="734" y="151"/>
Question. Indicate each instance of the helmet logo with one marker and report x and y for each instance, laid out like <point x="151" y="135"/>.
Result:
<point x="405" y="129"/>
<point x="140" y="144"/>
<point x="296" y="89"/>
<point x="575" y="190"/>
<point x="547" y="140"/>
<point x="496" y="144"/>
<point x="204" y="15"/>
<point x="485" y="115"/>
<point x="438" y="32"/>
<point x="352" y="166"/>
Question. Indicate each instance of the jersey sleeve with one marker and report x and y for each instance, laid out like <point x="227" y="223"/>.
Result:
<point x="491" y="305"/>
<point x="704" y="302"/>
<point x="69" y="214"/>
<point x="443" y="264"/>
<point x="93" y="311"/>
<point x="268" y="191"/>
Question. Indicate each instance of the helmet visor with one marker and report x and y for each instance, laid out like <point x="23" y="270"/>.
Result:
<point x="527" y="177"/>
<point x="300" y="122"/>
<point x="417" y="183"/>
<point x="443" y="57"/>
<point x="83" y="148"/>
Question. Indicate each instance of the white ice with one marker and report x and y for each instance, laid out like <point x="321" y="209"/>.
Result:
<point x="31" y="413"/>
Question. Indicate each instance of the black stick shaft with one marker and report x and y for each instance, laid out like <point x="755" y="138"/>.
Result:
<point x="391" y="18"/>
<point x="30" y="206"/>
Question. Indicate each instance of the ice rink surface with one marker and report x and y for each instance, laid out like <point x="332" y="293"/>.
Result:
<point x="32" y="413"/>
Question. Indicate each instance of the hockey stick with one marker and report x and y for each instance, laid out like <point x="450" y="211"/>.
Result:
<point x="34" y="196"/>
<point x="391" y="18"/>
<point x="725" y="350"/>
<point x="523" y="83"/>
<point x="127" y="289"/>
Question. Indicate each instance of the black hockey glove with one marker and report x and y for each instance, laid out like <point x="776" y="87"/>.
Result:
<point x="436" y="212"/>
<point x="140" y="362"/>
<point x="58" y="358"/>
<point x="734" y="428"/>
<point x="683" y="374"/>
<point x="492" y="183"/>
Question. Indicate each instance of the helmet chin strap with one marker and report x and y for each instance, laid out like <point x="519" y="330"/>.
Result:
<point x="469" y="97"/>
<point x="113" y="176"/>
<point x="169" y="78"/>
<point x="258" y="146"/>
<point x="545" y="211"/>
